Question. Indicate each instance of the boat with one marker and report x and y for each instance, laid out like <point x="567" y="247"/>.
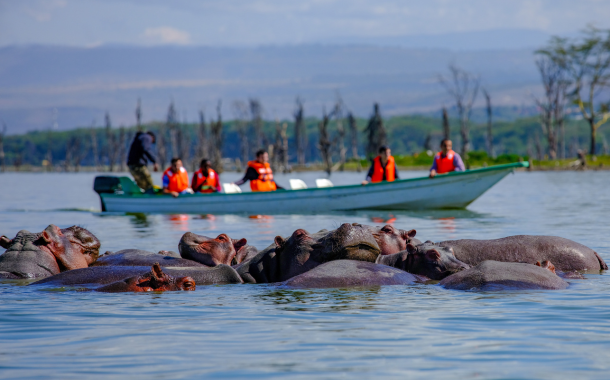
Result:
<point x="454" y="190"/>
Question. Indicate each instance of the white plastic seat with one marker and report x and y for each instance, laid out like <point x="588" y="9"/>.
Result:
<point x="323" y="182"/>
<point x="230" y="188"/>
<point x="297" y="184"/>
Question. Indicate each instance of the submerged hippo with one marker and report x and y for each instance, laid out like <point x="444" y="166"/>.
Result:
<point x="426" y="259"/>
<point x="349" y="273"/>
<point x="391" y="239"/>
<point x="221" y="274"/>
<point x="566" y="255"/>
<point x="54" y="250"/>
<point x="211" y="251"/>
<point x="153" y="281"/>
<point x="137" y="257"/>
<point x="303" y="251"/>
<point x="497" y="275"/>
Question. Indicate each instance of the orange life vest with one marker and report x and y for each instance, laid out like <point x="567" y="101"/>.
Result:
<point x="210" y="180"/>
<point x="390" y="170"/>
<point x="178" y="182"/>
<point x="444" y="164"/>
<point x="264" y="182"/>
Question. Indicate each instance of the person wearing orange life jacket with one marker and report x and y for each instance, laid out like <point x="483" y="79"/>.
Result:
<point x="446" y="160"/>
<point x="383" y="167"/>
<point x="205" y="180"/>
<point x="176" y="179"/>
<point x="259" y="174"/>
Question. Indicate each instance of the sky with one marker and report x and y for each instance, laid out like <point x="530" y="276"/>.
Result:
<point x="90" y="23"/>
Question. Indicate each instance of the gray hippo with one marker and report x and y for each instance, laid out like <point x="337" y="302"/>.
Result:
<point x="211" y="251"/>
<point x="303" y="251"/>
<point x="93" y="276"/>
<point x="497" y="275"/>
<point x="137" y="257"/>
<point x="54" y="250"/>
<point x="153" y="281"/>
<point x="350" y="273"/>
<point x="566" y="255"/>
<point x="391" y="239"/>
<point x="426" y="259"/>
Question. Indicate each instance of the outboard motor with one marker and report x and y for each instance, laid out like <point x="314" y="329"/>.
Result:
<point x="106" y="185"/>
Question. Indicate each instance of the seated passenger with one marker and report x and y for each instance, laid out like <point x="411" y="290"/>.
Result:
<point x="259" y="174"/>
<point x="446" y="160"/>
<point x="383" y="167"/>
<point x="205" y="180"/>
<point x="176" y="179"/>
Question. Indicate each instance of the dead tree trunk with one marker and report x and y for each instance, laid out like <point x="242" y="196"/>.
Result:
<point x="340" y="139"/>
<point x="489" y="140"/>
<point x="202" y="138"/>
<point x="2" y="157"/>
<point x="171" y="124"/>
<point x="122" y="150"/>
<point x="111" y="144"/>
<point x="240" y="111"/>
<point x="376" y="133"/>
<point x="95" y="160"/>
<point x="325" y="144"/>
<point x="446" y="128"/>
<point x="49" y="155"/>
<point x="256" y="111"/>
<point x="284" y="135"/>
<point x="139" y="116"/>
<point x="300" y="136"/>
<point x="353" y="127"/>
<point x="217" y="140"/>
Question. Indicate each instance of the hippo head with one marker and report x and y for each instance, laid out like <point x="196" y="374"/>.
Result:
<point x="303" y="251"/>
<point x="391" y="239"/>
<point x="85" y="241"/>
<point x="547" y="265"/>
<point x="72" y="247"/>
<point x="209" y="251"/>
<point x="153" y="281"/>
<point x="432" y="261"/>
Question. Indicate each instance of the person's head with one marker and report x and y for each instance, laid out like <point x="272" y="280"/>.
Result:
<point x="205" y="164"/>
<point x="385" y="152"/>
<point x="152" y="134"/>
<point x="446" y="145"/>
<point x="262" y="156"/>
<point x="176" y="164"/>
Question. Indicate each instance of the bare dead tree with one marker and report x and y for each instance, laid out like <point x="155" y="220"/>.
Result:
<point x="300" y="134"/>
<point x="256" y="112"/>
<point x="79" y="151"/>
<point x="95" y="156"/>
<point x="340" y="138"/>
<point x="49" y="155"/>
<point x="172" y="126"/>
<point x="446" y="128"/>
<point x="112" y="144"/>
<point x="463" y="87"/>
<point x="217" y="139"/>
<point x="122" y="153"/>
<point x="2" y="157"/>
<point x="353" y="127"/>
<point x="376" y="133"/>
<point x="538" y="145"/>
<point x="139" y="116"/>
<point x="240" y="112"/>
<point x="284" y="136"/>
<point x="202" y="138"/>
<point x="490" y="139"/>
<point x="324" y="143"/>
<point x="161" y="142"/>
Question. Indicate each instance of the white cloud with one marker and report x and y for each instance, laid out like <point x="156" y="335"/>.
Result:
<point x="167" y="35"/>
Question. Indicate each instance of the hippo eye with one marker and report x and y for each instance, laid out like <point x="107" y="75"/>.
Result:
<point x="300" y="234"/>
<point x="387" y="229"/>
<point x="189" y="284"/>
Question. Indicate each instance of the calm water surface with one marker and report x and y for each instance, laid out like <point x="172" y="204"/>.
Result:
<point x="262" y="331"/>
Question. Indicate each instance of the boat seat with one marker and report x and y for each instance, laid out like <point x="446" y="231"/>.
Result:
<point x="323" y="182"/>
<point x="230" y="188"/>
<point x="297" y="184"/>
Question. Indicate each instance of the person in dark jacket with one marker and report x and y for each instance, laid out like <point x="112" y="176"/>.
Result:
<point x="140" y="154"/>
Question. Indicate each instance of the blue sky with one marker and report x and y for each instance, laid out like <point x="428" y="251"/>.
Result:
<point x="256" y="22"/>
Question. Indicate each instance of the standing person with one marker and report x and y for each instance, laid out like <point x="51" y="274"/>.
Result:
<point x="446" y="160"/>
<point x="205" y="180"/>
<point x="383" y="167"/>
<point x="259" y="174"/>
<point x="176" y="179"/>
<point x="141" y="152"/>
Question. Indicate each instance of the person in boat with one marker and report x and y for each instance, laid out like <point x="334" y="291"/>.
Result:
<point x="383" y="167"/>
<point x="446" y="160"/>
<point x="259" y="174"/>
<point x="205" y="180"/>
<point x="176" y="179"/>
<point x="141" y="152"/>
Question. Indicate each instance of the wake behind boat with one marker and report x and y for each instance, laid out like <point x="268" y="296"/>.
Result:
<point x="449" y="191"/>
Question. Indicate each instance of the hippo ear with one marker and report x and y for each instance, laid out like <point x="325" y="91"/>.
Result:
<point x="538" y="264"/>
<point x="279" y="241"/>
<point x="408" y="235"/>
<point x="433" y="255"/>
<point x="5" y="242"/>
<point x="238" y="244"/>
<point x="156" y="271"/>
<point x="51" y="234"/>
<point x="411" y="248"/>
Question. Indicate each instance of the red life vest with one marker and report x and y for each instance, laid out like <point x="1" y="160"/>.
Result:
<point x="264" y="182"/>
<point x="390" y="170"/>
<point x="178" y="182"/>
<point x="444" y="164"/>
<point x="210" y="181"/>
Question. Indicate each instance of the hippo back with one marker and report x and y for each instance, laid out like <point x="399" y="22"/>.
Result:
<point x="136" y="257"/>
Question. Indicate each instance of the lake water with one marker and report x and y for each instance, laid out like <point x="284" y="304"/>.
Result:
<point x="262" y="331"/>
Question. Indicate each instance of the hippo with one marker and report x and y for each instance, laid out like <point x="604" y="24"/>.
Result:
<point x="392" y="240"/>
<point x="153" y="281"/>
<point x="349" y="273"/>
<point x="210" y="251"/>
<point x="220" y="274"/>
<point x="566" y="255"/>
<point x="303" y="251"/>
<point x="498" y="275"/>
<point x="54" y="250"/>
<point x="137" y="257"/>
<point x="426" y="259"/>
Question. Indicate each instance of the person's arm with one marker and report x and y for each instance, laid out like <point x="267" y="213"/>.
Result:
<point x="396" y="172"/>
<point x="458" y="163"/>
<point x="433" y="169"/>
<point x="369" y="175"/>
<point x="218" y="187"/>
<point x="147" y="149"/>
<point x="194" y="182"/>
<point x="251" y="174"/>
<point x="166" y="187"/>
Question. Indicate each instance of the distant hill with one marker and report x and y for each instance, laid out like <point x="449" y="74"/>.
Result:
<point x="82" y="83"/>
